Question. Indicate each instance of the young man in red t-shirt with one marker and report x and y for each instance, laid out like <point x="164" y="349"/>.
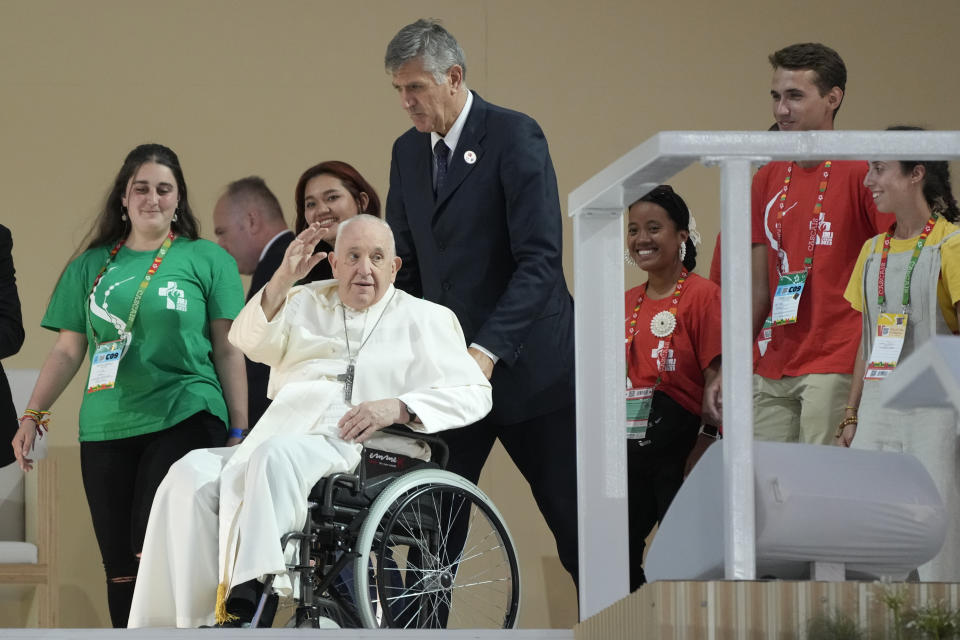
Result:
<point x="809" y="221"/>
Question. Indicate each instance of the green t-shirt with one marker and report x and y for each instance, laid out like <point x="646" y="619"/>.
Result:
<point x="167" y="373"/>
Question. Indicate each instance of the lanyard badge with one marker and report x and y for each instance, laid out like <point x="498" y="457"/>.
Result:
<point x="664" y="324"/>
<point x="790" y="285"/>
<point x="786" y="301"/>
<point x="891" y="329"/>
<point x="104" y="365"/>
<point x="887" y="344"/>
<point x="107" y="355"/>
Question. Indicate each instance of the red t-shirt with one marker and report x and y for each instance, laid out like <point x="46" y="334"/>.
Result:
<point x="696" y="341"/>
<point x="715" y="277"/>
<point x="826" y="335"/>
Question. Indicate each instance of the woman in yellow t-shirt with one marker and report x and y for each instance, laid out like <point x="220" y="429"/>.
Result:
<point x="906" y="284"/>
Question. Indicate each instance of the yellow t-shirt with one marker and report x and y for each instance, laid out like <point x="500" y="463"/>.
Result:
<point x="948" y="287"/>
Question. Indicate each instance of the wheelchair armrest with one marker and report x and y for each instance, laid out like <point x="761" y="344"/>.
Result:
<point x="439" y="451"/>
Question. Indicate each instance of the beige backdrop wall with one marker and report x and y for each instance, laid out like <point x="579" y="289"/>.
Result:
<point x="269" y="88"/>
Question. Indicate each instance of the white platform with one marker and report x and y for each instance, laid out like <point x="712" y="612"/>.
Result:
<point x="874" y="514"/>
<point x="346" y="634"/>
<point x="929" y="377"/>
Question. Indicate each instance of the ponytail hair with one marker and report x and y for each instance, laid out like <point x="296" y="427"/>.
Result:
<point x="936" y="182"/>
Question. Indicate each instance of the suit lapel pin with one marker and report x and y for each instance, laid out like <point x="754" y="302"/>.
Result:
<point x="469" y="157"/>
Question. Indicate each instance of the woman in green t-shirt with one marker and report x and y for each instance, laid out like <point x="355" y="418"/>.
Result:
<point x="151" y="304"/>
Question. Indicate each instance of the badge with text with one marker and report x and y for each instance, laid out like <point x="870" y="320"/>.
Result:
<point x="766" y="334"/>
<point x="786" y="301"/>
<point x="887" y="344"/>
<point x="103" y="368"/>
<point x="638" y="412"/>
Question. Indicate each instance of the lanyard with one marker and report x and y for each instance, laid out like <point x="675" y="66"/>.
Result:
<point x="814" y="220"/>
<point x="631" y="324"/>
<point x="882" y="278"/>
<point x="135" y="307"/>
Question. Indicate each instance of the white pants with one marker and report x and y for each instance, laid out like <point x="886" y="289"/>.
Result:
<point x="930" y="435"/>
<point x="179" y="569"/>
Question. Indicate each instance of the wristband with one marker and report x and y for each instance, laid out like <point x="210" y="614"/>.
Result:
<point x="235" y="432"/>
<point x="710" y="431"/>
<point x="40" y="419"/>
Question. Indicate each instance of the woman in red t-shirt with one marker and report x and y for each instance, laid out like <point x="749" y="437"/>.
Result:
<point x="673" y="361"/>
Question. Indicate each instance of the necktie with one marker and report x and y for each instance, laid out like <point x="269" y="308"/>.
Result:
<point x="441" y="150"/>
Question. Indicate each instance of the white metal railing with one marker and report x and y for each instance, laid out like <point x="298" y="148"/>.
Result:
<point x="597" y="208"/>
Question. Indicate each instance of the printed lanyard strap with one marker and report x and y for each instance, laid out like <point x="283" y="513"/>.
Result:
<point x="135" y="307"/>
<point x="814" y="220"/>
<point x="631" y="324"/>
<point x="882" y="279"/>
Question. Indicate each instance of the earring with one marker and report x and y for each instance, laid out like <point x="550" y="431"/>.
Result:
<point x="175" y="212"/>
<point x="628" y="259"/>
<point x="683" y="251"/>
<point x="123" y="213"/>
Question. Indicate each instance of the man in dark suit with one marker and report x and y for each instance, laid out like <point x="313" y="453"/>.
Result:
<point x="248" y="222"/>
<point x="11" y="339"/>
<point x="474" y="207"/>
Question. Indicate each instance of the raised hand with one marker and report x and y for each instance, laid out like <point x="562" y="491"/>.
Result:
<point x="299" y="257"/>
<point x="298" y="260"/>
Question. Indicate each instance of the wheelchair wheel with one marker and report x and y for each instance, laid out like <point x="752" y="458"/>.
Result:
<point x="412" y="572"/>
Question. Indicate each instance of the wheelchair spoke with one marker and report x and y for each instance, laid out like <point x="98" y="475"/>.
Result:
<point x="404" y="613"/>
<point x="453" y="517"/>
<point x="474" y="553"/>
<point x="479" y="583"/>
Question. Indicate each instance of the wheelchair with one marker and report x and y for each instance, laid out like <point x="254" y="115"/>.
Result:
<point x="381" y="548"/>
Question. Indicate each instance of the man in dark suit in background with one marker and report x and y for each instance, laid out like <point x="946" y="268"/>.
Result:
<point x="248" y="222"/>
<point x="11" y="339"/>
<point x="474" y="206"/>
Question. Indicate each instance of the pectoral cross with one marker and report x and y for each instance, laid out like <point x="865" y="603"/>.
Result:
<point x="347" y="380"/>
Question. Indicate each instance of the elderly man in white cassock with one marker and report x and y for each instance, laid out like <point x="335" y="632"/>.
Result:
<point x="348" y="357"/>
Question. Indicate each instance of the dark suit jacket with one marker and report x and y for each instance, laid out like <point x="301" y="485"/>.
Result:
<point x="489" y="247"/>
<point x="258" y="374"/>
<point x="11" y="339"/>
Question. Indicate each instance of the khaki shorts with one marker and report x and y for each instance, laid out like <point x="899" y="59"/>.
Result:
<point x="799" y="408"/>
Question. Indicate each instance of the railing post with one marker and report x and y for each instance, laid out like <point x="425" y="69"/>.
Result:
<point x="601" y="413"/>
<point x="739" y="500"/>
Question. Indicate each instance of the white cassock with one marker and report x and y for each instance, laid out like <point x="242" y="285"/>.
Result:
<point x="219" y="514"/>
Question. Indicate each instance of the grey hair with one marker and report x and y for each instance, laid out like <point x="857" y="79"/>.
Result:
<point x="255" y="189"/>
<point x="361" y="217"/>
<point x="427" y="39"/>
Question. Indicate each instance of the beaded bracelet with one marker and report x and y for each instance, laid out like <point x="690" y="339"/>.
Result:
<point x="846" y="422"/>
<point x="40" y="418"/>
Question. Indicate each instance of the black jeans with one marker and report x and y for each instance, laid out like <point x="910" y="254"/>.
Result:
<point x="655" y="468"/>
<point x="120" y="478"/>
